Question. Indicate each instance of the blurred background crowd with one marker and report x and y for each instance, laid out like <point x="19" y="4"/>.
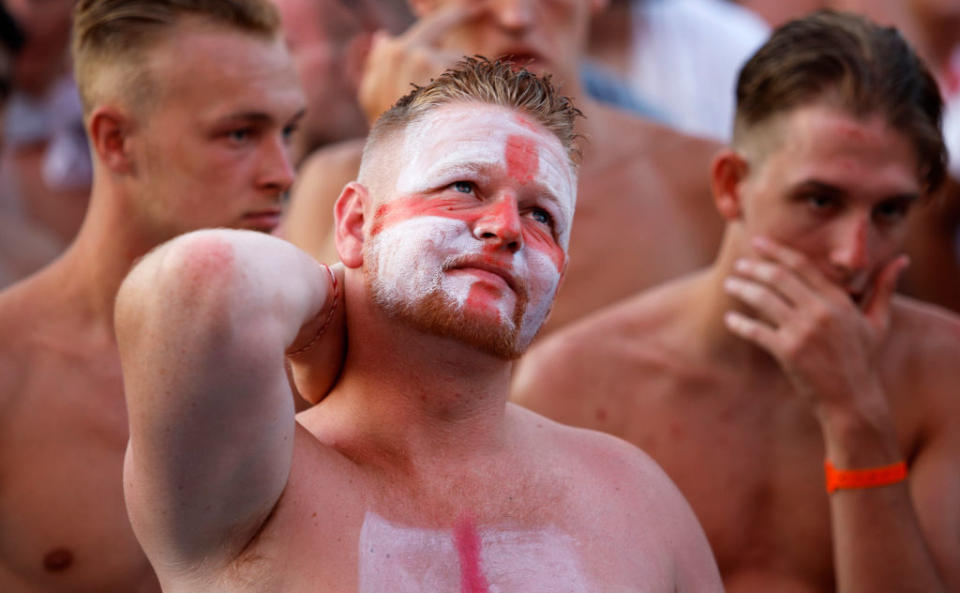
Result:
<point x="673" y="61"/>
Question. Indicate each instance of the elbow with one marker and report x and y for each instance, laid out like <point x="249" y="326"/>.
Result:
<point x="191" y="273"/>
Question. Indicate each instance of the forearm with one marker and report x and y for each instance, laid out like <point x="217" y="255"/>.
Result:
<point x="877" y="539"/>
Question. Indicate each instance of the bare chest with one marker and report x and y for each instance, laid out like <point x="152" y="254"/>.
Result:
<point x="64" y="524"/>
<point x="752" y="469"/>
<point x="494" y="536"/>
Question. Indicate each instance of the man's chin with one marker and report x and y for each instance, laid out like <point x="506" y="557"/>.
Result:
<point x="435" y="316"/>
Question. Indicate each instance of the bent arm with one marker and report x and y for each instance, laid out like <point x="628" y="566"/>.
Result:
<point x="202" y="324"/>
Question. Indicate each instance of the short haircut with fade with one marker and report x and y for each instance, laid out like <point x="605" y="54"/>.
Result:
<point x="480" y="80"/>
<point x="846" y="61"/>
<point x="117" y="34"/>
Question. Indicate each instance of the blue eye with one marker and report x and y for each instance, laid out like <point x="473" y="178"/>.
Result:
<point x="542" y="216"/>
<point x="464" y="187"/>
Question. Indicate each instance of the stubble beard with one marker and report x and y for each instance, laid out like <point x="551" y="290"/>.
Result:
<point x="439" y="314"/>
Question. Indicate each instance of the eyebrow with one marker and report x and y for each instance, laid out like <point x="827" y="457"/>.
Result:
<point x="481" y="169"/>
<point x="259" y="117"/>
<point x="828" y="188"/>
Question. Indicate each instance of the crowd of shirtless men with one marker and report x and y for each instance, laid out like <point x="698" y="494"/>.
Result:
<point x="506" y="339"/>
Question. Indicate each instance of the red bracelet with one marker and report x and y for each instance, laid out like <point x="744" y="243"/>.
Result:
<point x="864" y="478"/>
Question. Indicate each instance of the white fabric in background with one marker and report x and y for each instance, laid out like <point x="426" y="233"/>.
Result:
<point x="686" y="57"/>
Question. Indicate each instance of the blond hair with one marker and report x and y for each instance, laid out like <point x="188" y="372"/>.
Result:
<point x="117" y="33"/>
<point x="480" y="80"/>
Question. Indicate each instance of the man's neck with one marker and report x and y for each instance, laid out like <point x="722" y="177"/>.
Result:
<point x="94" y="265"/>
<point x="713" y="303"/>
<point x="414" y="393"/>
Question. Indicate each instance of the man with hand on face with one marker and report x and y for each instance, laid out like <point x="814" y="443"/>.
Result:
<point x="189" y="107"/>
<point x="809" y="415"/>
<point x="643" y="195"/>
<point x="413" y="473"/>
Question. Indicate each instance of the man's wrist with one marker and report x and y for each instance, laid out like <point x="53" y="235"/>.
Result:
<point x="861" y="432"/>
<point x="861" y="478"/>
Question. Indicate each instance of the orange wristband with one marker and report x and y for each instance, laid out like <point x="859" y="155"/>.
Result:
<point x="872" y="477"/>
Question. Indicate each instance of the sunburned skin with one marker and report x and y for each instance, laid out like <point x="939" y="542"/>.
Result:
<point x="467" y="559"/>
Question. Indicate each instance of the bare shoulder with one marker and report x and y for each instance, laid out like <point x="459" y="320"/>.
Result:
<point x="23" y="315"/>
<point x="592" y="359"/>
<point x="603" y="464"/>
<point x="309" y="220"/>
<point x="920" y="354"/>
<point x="925" y="333"/>
<point x="621" y="492"/>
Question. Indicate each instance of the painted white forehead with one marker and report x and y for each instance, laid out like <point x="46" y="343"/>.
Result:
<point x="469" y="134"/>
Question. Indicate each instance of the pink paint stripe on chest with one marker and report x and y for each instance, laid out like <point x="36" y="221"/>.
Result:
<point x="523" y="158"/>
<point x="468" y="548"/>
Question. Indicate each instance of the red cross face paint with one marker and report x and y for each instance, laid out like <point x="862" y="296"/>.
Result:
<point x="473" y="244"/>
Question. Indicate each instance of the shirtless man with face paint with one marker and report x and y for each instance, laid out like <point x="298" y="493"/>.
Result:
<point x="413" y="474"/>
<point x="644" y="213"/>
<point x="791" y="352"/>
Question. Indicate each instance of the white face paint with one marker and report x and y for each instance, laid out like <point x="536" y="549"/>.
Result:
<point x="411" y="560"/>
<point x="456" y="141"/>
<point x="426" y="240"/>
<point x="411" y="257"/>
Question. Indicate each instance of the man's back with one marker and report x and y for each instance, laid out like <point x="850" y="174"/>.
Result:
<point x="62" y="438"/>
<point x="745" y="450"/>
<point x="638" y="203"/>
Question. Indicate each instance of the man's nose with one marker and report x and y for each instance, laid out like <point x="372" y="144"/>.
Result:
<point x="850" y="251"/>
<point x="499" y="224"/>
<point x="513" y="15"/>
<point x="276" y="169"/>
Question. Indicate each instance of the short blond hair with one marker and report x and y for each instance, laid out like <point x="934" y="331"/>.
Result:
<point x="497" y="82"/>
<point x="117" y="33"/>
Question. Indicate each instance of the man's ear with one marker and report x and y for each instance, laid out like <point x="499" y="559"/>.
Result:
<point x="349" y="217"/>
<point x="109" y="129"/>
<point x="727" y="173"/>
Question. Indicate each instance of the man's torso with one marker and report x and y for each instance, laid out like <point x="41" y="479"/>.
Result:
<point x="492" y="523"/>
<point x="63" y="432"/>
<point x="746" y="453"/>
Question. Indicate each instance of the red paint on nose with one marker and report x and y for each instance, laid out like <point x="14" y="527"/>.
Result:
<point x="504" y="215"/>
<point x="523" y="159"/>
<point x="472" y="579"/>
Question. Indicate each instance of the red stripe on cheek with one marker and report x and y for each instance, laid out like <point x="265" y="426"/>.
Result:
<point x="543" y="242"/>
<point x="402" y="209"/>
<point x="472" y="579"/>
<point x="523" y="158"/>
